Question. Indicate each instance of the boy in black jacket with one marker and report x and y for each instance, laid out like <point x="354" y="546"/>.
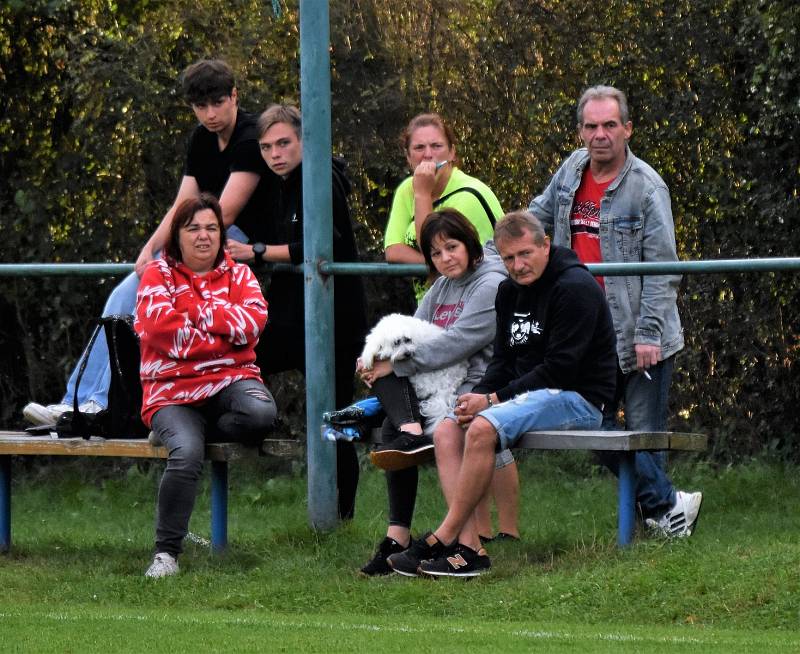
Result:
<point x="554" y="367"/>
<point x="282" y="344"/>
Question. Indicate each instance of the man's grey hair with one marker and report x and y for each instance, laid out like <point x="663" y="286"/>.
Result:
<point x="515" y="224"/>
<point x="600" y="93"/>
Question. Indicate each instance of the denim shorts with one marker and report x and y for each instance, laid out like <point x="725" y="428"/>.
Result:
<point x="547" y="408"/>
<point x="502" y="459"/>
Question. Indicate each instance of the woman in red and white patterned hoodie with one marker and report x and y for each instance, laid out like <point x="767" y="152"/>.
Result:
<point x="198" y="316"/>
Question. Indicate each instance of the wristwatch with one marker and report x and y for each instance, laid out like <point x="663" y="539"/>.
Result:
<point x="259" y="250"/>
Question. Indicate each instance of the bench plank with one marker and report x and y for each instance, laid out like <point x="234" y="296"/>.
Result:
<point x="24" y="444"/>
<point x="610" y="441"/>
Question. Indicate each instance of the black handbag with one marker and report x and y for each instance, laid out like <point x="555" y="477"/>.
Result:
<point x="121" y="419"/>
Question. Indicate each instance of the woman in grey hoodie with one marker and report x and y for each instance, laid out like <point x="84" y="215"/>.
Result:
<point x="461" y="302"/>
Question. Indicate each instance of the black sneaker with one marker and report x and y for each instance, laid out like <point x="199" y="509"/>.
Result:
<point x="406" y="563"/>
<point x="502" y="535"/>
<point x="403" y="452"/>
<point x="460" y="561"/>
<point x="377" y="565"/>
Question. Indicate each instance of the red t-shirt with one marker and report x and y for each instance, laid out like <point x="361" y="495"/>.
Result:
<point x="584" y="220"/>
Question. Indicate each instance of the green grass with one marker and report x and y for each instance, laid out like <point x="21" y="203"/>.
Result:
<point x="73" y="581"/>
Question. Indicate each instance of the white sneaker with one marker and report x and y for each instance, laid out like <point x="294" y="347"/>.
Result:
<point x="680" y="520"/>
<point x="39" y="414"/>
<point x="163" y="565"/>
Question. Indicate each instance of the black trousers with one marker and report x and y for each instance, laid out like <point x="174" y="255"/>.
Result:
<point x="283" y="348"/>
<point x="399" y="402"/>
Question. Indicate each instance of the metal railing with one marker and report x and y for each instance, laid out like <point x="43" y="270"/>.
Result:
<point x="776" y="264"/>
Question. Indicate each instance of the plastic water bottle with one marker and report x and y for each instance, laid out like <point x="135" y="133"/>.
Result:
<point x="342" y="433"/>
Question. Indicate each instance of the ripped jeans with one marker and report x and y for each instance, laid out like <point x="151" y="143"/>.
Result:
<point x="545" y="408"/>
<point x="241" y="412"/>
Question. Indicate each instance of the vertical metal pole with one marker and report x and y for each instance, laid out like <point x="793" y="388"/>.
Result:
<point x="315" y="98"/>
<point x="5" y="503"/>
<point x="219" y="506"/>
<point x="627" y="498"/>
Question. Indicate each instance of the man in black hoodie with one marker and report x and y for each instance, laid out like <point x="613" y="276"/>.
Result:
<point x="553" y="367"/>
<point x="282" y="344"/>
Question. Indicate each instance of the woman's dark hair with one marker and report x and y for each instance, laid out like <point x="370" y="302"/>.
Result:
<point x="450" y="223"/>
<point x="183" y="216"/>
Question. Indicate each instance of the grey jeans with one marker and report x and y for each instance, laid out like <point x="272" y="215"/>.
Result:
<point x="241" y="412"/>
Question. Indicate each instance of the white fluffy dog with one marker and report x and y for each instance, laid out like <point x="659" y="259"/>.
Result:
<point x="396" y="337"/>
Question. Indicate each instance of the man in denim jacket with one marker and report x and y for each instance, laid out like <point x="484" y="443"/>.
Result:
<point x="610" y="206"/>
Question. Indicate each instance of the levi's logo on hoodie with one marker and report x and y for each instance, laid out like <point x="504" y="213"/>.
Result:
<point x="446" y="314"/>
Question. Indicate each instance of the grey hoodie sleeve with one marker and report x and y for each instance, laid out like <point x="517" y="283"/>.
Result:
<point x="473" y="330"/>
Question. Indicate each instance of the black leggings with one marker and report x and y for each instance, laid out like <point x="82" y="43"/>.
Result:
<point x="399" y="402"/>
<point x="280" y="349"/>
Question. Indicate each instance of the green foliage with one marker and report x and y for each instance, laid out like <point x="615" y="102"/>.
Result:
<point x="92" y="133"/>
<point x="82" y="540"/>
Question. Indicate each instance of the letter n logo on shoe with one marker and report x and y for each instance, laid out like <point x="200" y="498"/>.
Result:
<point x="457" y="561"/>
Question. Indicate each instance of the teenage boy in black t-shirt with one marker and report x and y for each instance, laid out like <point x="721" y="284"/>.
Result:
<point x="222" y="158"/>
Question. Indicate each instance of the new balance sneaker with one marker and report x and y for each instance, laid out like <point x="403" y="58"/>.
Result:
<point x="681" y="520"/>
<point x="39" y="414"/>
<point x="163" y="565"/>
<point x="460" y="561"/>
<point x="377" y="565"/>
<point x="403" y="452"/>
<point x="426" y="548"/>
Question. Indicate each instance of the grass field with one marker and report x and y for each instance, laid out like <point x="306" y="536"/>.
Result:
<point x="82" y="539"/>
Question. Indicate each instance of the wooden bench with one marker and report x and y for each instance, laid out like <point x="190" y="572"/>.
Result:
<point x="219" y="454"/>
<point x="624" y="443"/>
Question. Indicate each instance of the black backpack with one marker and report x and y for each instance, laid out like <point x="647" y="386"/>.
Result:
<point x="122" y="417"/>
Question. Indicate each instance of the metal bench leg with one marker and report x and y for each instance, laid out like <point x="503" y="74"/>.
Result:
<point x="627" y="498"/>
<point x="5" y="503"/>
<point x="219" y="506"/>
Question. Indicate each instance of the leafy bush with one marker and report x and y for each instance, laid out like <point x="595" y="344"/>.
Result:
<point x="92" y="136"/>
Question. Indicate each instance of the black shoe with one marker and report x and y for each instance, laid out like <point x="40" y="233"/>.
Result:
<point x="406" y="563"/>
<point x="487" y="539"/>
<point x="377" y="565"/>
<point x="461" y="561"/>
<point x="502" y="535"/>
<point x="403" y="452"/>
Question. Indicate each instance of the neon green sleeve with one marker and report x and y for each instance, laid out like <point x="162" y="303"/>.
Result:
<point x="401" y="214"/>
